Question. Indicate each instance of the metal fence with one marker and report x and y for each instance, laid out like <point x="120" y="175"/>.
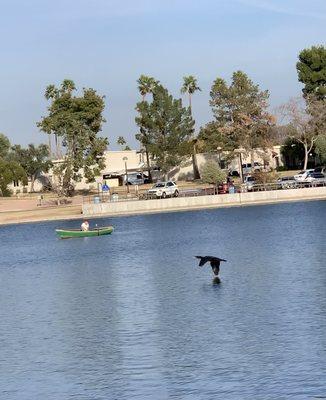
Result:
<point x="283" y="185"/>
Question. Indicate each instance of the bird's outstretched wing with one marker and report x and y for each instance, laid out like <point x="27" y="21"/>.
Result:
<point x="211" y="259"/>
<point x="203" y="260"/>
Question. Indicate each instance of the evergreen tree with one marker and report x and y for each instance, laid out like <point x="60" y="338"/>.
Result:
<point x="168" y="127"/>
<point x="311" y="69"/>
<point x="241" y="116"/>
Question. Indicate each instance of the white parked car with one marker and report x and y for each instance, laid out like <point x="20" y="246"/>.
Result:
<point x="302" y="175"/>
<point x="163" y="190"/>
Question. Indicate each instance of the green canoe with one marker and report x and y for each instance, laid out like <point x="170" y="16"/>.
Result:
<point x="72" y="233"/>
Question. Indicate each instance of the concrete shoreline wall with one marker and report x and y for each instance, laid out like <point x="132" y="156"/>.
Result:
<point x="201" y="202"/>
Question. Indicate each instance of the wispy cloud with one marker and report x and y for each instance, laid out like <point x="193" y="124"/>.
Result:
<point x="313" y="8"/>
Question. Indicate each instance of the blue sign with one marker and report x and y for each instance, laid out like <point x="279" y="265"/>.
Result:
<point x="105" y="188"/>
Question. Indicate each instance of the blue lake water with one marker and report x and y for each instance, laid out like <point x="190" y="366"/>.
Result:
<point x="132" y="316"/>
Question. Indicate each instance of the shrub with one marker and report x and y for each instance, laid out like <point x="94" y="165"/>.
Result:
<point x="265" y="177"/>
<point x="212" y="173"/>
<point x="282" y="168"/>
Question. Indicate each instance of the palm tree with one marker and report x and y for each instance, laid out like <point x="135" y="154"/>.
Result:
<point x="68" y="86"/>
<point x="52" y="93"/>
<point x="190" y="86"/>
<point x="146" y="85"/>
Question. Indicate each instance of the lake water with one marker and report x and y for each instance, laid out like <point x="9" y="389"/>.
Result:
<point x="132" y="316"/>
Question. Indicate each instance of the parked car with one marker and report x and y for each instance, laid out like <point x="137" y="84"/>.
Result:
<point x="321" y="170"/>
<point x="302" y="175"/>
<point x="135" y="178"/>
<point x="287" y="182"/>
<point x="163" y="190"/>
<point x="246" y="168"/>
<point x="223" y="188"/>
<point x="249" y="183"/>
<point x="314" y="177"/>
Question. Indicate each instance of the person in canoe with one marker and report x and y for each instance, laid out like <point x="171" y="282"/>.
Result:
<point x="85" y="226"/>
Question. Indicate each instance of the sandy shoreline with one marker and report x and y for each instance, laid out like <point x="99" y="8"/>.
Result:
<point x="39" y="215"/>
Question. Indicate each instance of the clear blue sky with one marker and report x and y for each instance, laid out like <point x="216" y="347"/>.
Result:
<point x="107" y="44"/>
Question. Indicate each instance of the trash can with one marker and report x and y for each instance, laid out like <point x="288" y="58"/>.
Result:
<point x="115" y="197"/>
<point x="96" y="200"/>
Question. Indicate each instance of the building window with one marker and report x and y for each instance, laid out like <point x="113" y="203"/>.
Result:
<point x="16" y="183"/>
<point x="222" y="164"/>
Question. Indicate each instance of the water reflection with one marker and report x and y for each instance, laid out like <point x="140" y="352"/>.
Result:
<point x="216" y="280"/>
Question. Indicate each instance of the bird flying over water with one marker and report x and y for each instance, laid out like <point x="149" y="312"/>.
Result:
<point x="214" y="261"/>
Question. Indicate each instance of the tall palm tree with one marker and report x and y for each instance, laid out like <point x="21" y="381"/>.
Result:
<point x="146" y="85"/>
<point x="68" y="86"/>
<point x="52" y="93"/>
<point x="190" y="86"/>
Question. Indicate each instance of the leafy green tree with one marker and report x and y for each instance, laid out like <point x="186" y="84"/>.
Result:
<point x="292" y="152"/>
<point x="213" y="138"/>
<point x="77" y="120"/>
<point x="311" y="69"/>
<point x="167" y="126"/>
<point x="241" y="115"/>
<point x="4" y="145"/>
<point x="212" y="173"/>
<point x="190" y="86"/>
<point x="33" y="159"/>
<point x="321" y="147"/>
<point x="10" y="170"/>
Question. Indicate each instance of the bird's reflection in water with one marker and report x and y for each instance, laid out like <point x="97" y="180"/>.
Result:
<point x="216" y="281"/>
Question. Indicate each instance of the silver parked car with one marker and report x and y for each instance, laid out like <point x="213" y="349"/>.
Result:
<point x="287" y="182"/>
<point x="249" y="182"/>
<point x="315" y="177"/>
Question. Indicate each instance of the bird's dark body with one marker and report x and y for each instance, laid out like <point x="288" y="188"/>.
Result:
<point x="214" y="261"/>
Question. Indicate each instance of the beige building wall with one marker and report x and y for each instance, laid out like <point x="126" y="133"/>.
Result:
<point x="17" y="188"/>
<point x="185" y="171"/>
<point x="114" y="165"/>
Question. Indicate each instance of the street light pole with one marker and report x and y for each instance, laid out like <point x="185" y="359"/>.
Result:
<point x="239" y="152"/>
<point x="125" y="159"/>
<point x="241" y="171"/>
<point x="219" y="149"/>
